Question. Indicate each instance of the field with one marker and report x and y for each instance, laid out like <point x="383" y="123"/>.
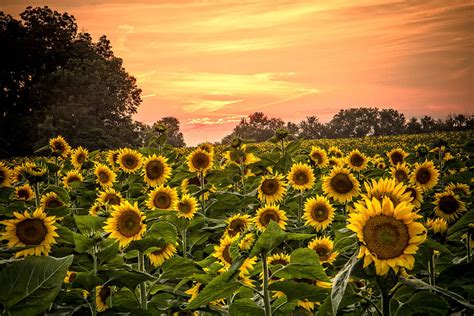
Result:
<point x="372" y="226"/>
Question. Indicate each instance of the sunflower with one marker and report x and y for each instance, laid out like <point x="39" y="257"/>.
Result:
<point x="341" y="185"/>
<point x="70" y="277"/>
<point x="28" y="171"/>
<point x="323" y="246"/>
<point x="425" y="175"/>
<point x="222" y="251"/>
<point x="162" y="254"/>
<point x="460" y="189"/>
<point x="110" y="196"/>
<point x="240" y="156"/>
<point x="270" y="212"/>
<point x="416" y="193"/>
<point x="247" y="241"/>
<point x="111" y="158"/>
<point x="437" y="226"/>
<point x="278" y="258"/>
<point x="30" y="230"/>
<point x="200" y="161"/>
<point x="301" y="176"/>
<point x="356" y="160"/>
<point x="206" y="147"/>
<point x="5" y="175"/>
<point x="50" y="200"/>
<point x="400" y="172"/>
<point x="163" y="198"/>
<point x="448" y="206"/>
<point x="318" y="212"/>
<point x="79" y="156"/>
<point x="335" y="152"/>
<point x="24" y="193"/>
<point x="382" y="188"/>
<point x="187" y="206"/>
<point x="156" y="170"/>
<point x="193" y="291"/>
<point x="129" y="160"/>
<point x="126" y="223"/>
<point x="102" y="294"/>
<point x="397" y="156"/>
<point x="335" y="162"/>
<point x="98" y="209"/>
<point x="185" y="183"/>
<point x="59" y="146"/>
<point x="70" y="177"/>
<point x="237" y="224"/>
<point x="380" y="165"/>
<point x="104" y="175"/>
<point x="319" y="156"/>
<point x="272" y="188"/>
<point x="389" y="235"/>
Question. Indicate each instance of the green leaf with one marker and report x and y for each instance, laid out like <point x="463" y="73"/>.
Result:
<point x="340" y="282"/>
<point x="88" y="280"/>
<point x="82" y="243"/>
<point x="179" y="267"/>
<point x="461" y="226"/>
<point x="89" y="225"/>
<point x="244" y="307"/>
<point x="269" y="239"/>
<point x="30" y="285"/>
<point x="304" y="264"/>
<point x="298" y="236"/>
<point x="299" y="290"/>
<point x="165" y="230"/>
<point x="433" y="244"/>
<point x="125" y="276"/>
<point x="423" y="303"/>
<point x="124" y="299"/>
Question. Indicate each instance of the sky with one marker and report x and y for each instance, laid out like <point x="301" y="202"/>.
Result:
<point x="210" y="63"/>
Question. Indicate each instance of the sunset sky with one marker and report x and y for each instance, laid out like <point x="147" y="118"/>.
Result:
<point x="209" y="63"/>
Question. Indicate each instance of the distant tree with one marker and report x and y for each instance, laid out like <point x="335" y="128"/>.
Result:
<point x="311" y="128"/>
<point x="354" y="122"/>
<point x="257" y="127"/>
<point x="391" y="122"/>
<point x="413" y="126"/>
<point x="293" y="130"/>
<point x="428" y="124"/>
<point x="174" y="136"/>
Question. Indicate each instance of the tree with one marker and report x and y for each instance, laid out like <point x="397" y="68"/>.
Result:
<point x="258" y="127"/>
<point x="311" y="128"/>
<point x="391" y="122"/>
<point x="174" y="136"/>
<point x="354" y="122"/>
<point x="413" y="126"/>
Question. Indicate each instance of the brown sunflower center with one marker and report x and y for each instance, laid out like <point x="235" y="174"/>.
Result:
<point x="58" y="146"/>
<point x="2" y="176"/>
<point x="80" y="158"/>
<point x="103" y="176"/>
<point x="129" y="223"/>
<point x="31" y="231"/>
<point x="300" y="177"/>
<point x="73" y="178"/>
<point x="412" y="192"/>
<point x="448" y="204"/>
<point x="53" y="202"/>
<point x="357" y="160"/>
<point x="159" y="251"/>
<point x="162" y="200"/>
<point x="112" y="199"/>
<point x="104" y="293"/>
<point x="269" y="215"/>
<point x="423" y="176"/>
<point x="201" y="160"/>
<point x="184" y="207"/>
<point x="341" y="183"/>
<point x="154" y="169"/>
<point x="130" y="161"/>
<point x="401" y="176"/>
<point x="236" y="226"/>
<point x="279" y="261"/>
<point x="195" y="181"/>
<point x="317" y="158"/>
<point x="23" y="193"/>
<point x="323" y="252"/>
<point x="396" y="157"/>
<point x="386" y="237"/>
<point x="320" y="212"/>
<point x="72" y="277"/>
<point x="270" y="186"/>
<point x="226" y="254"/>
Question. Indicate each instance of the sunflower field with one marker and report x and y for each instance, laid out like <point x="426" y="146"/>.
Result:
<point x="373" y="226"/>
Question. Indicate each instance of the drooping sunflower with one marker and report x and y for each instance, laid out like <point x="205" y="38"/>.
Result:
<point x="319" y="157"/>
<point x="270" y="212"/>
<point x="437" y="226"/>
<point x="341" y="185"/>
<point x="335" y="152"/>
<point x="125" y="223"/>
<point x="401" y="172"/>
<point x="50" y="200"/>
<point x="70" y="177"/>
<point x="79" y="156"/>
<point x="356" y="160"/>
<point x="24" y="193"/>
<point x="272" y="188"/>
<point x="129" y="160"/>
<point x="102" y="294"/>
<point x="416" y="193"/>
<point x="460" y="189"/>
<point x="110" y="196"/>
<point x="382" y="188"/>
<point x="36" y="230"/>
<point x="104" y="175"/>
<point x="163" y="198"/>
<point x="156" y="170"/>
<point x="301" y="176"/>
<point x="222" y="251"/>
<point x="318" y="212"/>
<point x="59" y="146"/>
<point x="389" y="235"/>
<point x="200" y="161"/>
<point x="448" y="206"/>
<point x="159" y="256"/>
<point x="240" y="156"/>
<point x="5" y="175"/>
<point x="425" y="175"/>
<point x="397" y="156"/>
<point x="323" y="246"/>
<point x="187" y="206"/>
<point x="237" y="224"/>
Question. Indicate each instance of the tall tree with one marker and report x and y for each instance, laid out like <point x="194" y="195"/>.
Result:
<point x="174" y="136"/>
<point x="311" y="128"/>
<point x="391" y="122"/>
<point x="257" y="127"/>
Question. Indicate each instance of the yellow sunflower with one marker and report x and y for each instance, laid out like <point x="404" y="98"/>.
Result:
<point x="222" y="252"/>
<point x="448" y="206"/>
<point x="5" y="175"/>
<point x="98" y="209"/>
<point x="156" y="170"/>
<point x="238" y="156"/>
<point x="163" y="198"/>
<point x="425" y="175"/>
<point x="126" y="223"/>
<point x="416" y="193"/>
<point x="104" y="175"/>
<point x="323" y="246"/>
<point x="70" y="177"/>
<point x="129" y="160"/>
<point x="356" y="160"/>
<point x="341" y="185"/>
<point x="24" y="193"/>
<point x="247" y="241"/>
<point x="270" y="212"/>
<point x="200" y="161"/>
<point x="159" y="256"/>
<point x="102" y="294"/>
<point x="70" y="277"/>
<point x="437" y="226"/>
<point x="50" y="200"/>
<point x="460" y="189"/>
<point x="401" y="172"/>
<point x="335" y="152"/>
<point x="187" y="206"/>
<point x="301" y="176"/>
<point x="30" y="230"/>
<point x="272" y="188"/>
<point x="279" y="258"/>
<point x="383" y="188"/>
<point x="206" y="147"/>
<point x="318" y="212"/>
<point x="237" y="224"/>
<point x="111" y="158"/>
<point x="397" y="156"/>
<point x="389" y="235"/>
<point x="319" y="156"/>
<point x="335" y="162"/>
<point x="193" y="291"/>
<point x="110" y="196"/>
<point x="79" y="156"/>
<point x="59" y="146"/>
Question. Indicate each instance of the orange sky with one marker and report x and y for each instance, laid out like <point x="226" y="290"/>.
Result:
<point x="208" y="63"/>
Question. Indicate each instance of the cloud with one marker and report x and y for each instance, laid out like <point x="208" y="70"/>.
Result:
<point x="214" y="121"/>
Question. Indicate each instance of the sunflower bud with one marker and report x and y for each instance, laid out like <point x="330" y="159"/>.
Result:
<point x="236" y="142"/>
<point x="281" y="133"/>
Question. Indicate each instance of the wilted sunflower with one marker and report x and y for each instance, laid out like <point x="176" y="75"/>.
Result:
<point x="110" y="196"/>
<point x="301" y="176"/>
<point x="129" y="160"/>
<point x="237" y="224"/>
<point x="70" y="177"/>
<point x="416" y="193"/>
<point x="437" y="226"/>
<point x="460" y="189"/>
<point x="272" y="188"/>
<point x="79" y="156"/>
<point x="104" y="175"/>
<point x="389" y="235"/>
<point x="448" y="206"/>
<point x="5" y="175"/>
<point x="222" y="252"/>
<point x="318" y="213"/>
<point x="156" y="170"/>
<point x="162" y="254"/>
<point x="323" y="246"/>
<point x="24" y="193"/>
<point x="425" y="175"/>
<point x="163" y="198"/>
<point x="36" y="230"/>
<point x="319" y="156"/>
<point x="341" y="185"/>
<point x="397" y="156"/>
<point x="335" y="152"/>
<point x="270" y="212"/>
<point x="59" y="146"/>
<point x="383" y="188"/>
<point x="126" y="223"/>
<point x="50" y="200"/>
<point x="401" y="172"/>
<point x="187" y="206"/>
<point x="356" y="160"/>
<point x="102" y="294"/>
<point x="200" y="161"/>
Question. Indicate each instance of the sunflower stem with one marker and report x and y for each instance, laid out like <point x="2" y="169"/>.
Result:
<point x="440" y="157"/>
<point x="203" y="200"/>
<point x="94" y="292"/>
<point x="385" y="290"/>
<point x="431" y="270"/>
<point x="36" y="187"/>
<point x="300" y="205"/>
<point x="141" y="268"/>
<point x="468" y="245"/>
<point x="266" y="294"/>
<point x="183" y="237"/>
<point x="282" y="147"/>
